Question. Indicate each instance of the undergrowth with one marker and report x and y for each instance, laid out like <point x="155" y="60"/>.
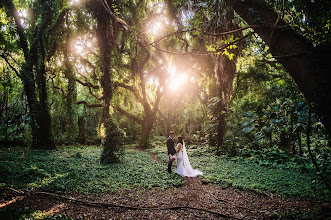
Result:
<point x="78" y="169"/>
<point x="247" y="174"/>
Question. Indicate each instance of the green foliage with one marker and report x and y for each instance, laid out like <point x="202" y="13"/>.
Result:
<point x="269" y="117"/>
<point x="275" y="158"/>
<point x="78" y="169"/>
<point x="247" y="176"/>
<point x="310" y="18"/>
<point x="14" y="120"/>
<point x="282" y="180"/>
<point x="320" y="213"/>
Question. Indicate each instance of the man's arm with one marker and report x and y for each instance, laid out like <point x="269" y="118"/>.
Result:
<point x="168" y="147"/>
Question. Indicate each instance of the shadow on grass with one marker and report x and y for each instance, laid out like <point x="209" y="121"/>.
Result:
<point x="77" y="168"/>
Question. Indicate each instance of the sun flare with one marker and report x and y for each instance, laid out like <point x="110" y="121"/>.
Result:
<point x="154" y="28"/>
<point x="177" y="81"/>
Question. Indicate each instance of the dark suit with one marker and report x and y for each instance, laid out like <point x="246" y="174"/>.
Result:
<point x="171" y="150"/>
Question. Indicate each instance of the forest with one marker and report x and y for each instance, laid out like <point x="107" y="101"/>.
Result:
<point x="90" y="89"/>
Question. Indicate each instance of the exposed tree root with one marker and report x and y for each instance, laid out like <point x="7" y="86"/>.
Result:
<point x="90" y="203"/>
<point x="133" y="207"/>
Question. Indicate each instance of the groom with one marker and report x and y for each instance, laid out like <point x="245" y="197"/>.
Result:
<point x="171" y="149"/>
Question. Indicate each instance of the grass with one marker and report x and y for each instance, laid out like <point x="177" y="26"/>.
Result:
<point x="253" y="177"/>
<point x="77" y="168"/>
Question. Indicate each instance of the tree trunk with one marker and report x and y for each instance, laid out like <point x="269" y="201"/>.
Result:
<point x="308" y="66"/>
<point x="224" y="72"/>
<point x="34" y="87"/>
<point x="146" y="130"/>
<point x="312" y="157"/>
<point x="81" y="130"/>
<point x="71" y="128"/>
<point x="29" y="89"/>
<point x="221" y="131"/>
<point x="44" y="118"/>
<point x="300" y="145"/>
<point x="42" y="137"/>
<point x="107" y="33"/>
<point x="294" y="151"/>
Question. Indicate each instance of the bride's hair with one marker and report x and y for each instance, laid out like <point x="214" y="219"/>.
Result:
<point x="180" y="140"/>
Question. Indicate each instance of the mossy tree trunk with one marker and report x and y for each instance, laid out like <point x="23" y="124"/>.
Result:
<point x="71" y="116"/>
<point x="33" y="74"/>
<point x="224" y="71"/>
<point x="146" y="130"/>
<point x="107" y="33"/>
<point x="150" y="107"/>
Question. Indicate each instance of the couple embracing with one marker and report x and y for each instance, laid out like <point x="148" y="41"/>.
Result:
<point x="184" y="167"/>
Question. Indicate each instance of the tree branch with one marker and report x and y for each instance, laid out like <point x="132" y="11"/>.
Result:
<point x="172" y="34"/>
<point x="58" y="23"/>
<point x="89" y="105"/>
<point x="230" y="32"/>
<point x="218" y="50"/>
<point x="56" y="87"/>
<point x="163" y="116"/>
<point x="12" y="67"/>
<point x="129" y="115"/>
<point x="87" y="84"/>
<point x="156" y="69"/>
<point x="204" y="33"/>
<point x="143" y="80"/>
<point x="87" y="62"/>
<point x="131" y="88"/>
<point x="20" y="31"/>
<point x="108" y="9"/>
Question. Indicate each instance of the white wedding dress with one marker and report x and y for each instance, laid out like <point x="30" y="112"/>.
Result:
<point x="184" y="167"/>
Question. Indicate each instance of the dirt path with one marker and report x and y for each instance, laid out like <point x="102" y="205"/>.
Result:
<point x="195" y="193"/>
<point x="230" y="202"/>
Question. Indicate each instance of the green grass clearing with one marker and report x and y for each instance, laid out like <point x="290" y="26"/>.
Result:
<point x="77" y="168"/>
<point x="251" y="176"/>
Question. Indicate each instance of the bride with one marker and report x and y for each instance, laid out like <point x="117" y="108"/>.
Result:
<point x="184" y="167"/>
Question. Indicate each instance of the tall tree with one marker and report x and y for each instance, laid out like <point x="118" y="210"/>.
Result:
<point x="37" y="49"/>
<point x="149" y="96"/>
<point x="308" y="65"/>
<point x="107" y="33"/>
<point x="218" y="22"/>
<point x="71" y="125"/>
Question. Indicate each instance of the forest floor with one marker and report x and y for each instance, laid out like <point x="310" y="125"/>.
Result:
<point x="168" y="204"/>
<point x="197" y="198"/>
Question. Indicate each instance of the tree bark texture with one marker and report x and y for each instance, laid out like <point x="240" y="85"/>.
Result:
<point x="107" y="33"/>
<point x="307" y="65"/>
<point x="32" y="74"/>
<point x="81" y="130"/>
<point x="150" y="108"/>
<point x="224" y="70"/>
<point x="146" y="130"/>
<point x="71" y="126"/>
